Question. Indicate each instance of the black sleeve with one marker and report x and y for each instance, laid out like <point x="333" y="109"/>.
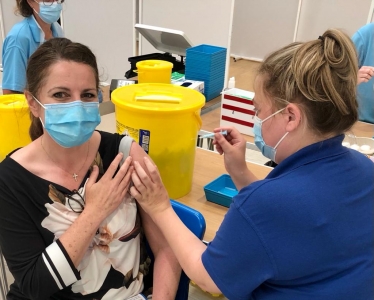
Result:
<point x="109" y="147"/>
<point x="40" y="266"/>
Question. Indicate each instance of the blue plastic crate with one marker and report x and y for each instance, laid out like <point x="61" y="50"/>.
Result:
<point x="207" y="81"/>
<point x="221" y="190"/>
<point x="206" y="73"/>
<point x="205" y="62"/>
<point x="199" y="66"/>
<point x="207" y="50"/>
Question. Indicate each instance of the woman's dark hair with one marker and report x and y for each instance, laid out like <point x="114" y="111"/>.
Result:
<point x="41" y="61"/>
<point x="24" y="9"/>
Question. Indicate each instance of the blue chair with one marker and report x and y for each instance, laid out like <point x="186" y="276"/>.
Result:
<point x="195" y="222"/>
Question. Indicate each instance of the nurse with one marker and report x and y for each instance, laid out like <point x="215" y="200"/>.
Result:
<point x="306" y="230"/>
<point x="39" y="24"/>
<point x="364" y="42"/>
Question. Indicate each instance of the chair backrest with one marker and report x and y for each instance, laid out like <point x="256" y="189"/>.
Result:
<point x="192" y="218"/>
<point x="195" y="222"/>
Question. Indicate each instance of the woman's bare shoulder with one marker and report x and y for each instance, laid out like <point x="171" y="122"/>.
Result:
<point x="137" y="152"/>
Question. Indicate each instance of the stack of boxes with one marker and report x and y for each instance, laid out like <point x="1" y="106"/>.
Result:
<point x="237" y="110"/>
<point x="207" y="63"/>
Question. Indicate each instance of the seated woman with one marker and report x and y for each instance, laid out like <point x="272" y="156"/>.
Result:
<point x="68" y="227"/>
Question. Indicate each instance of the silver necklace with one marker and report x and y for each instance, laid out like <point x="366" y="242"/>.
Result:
<point x="75" y="175"/>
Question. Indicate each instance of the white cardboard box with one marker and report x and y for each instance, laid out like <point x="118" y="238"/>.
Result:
<point x="237" y="110"/>
<point x="191" y="84"/>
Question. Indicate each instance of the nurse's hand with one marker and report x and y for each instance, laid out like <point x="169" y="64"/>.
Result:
<point x="233" y="146"/>
<point x="149" y="190"/>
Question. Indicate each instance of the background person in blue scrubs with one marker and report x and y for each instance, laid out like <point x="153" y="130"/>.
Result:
<point x="304" y="232"/>
<point x="39" y="24"/>
<point x="364" y="42"/>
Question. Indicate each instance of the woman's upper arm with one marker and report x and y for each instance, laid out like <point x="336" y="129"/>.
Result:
<point x="153" y="234"/>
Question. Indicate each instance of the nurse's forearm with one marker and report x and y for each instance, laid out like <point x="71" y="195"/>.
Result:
<point x="187" y="248"/>
<point x="242" y="178"/>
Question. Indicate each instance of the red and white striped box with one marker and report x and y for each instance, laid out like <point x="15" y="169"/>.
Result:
<point x="237" y="110"/>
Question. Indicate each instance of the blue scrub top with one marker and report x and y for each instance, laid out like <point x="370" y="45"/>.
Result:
<point x="21" y="42"/>
<point x="364" y="42"/>
<point x="305" y="232"/>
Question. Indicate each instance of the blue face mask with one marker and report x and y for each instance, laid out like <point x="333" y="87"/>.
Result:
<point x="49" y="13"/>
<point x="71" y="124"/>
<point x="266" y="150"/>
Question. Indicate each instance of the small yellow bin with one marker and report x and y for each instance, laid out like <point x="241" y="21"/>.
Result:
<point x="165" y="120"/>
<point x="154" y="71"/>
<point x="14" y="123"/>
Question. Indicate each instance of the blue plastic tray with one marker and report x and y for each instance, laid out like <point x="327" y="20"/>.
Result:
<point x="221" y="190"/>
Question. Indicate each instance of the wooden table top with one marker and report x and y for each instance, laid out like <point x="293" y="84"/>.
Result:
<point x="208" y="166"/>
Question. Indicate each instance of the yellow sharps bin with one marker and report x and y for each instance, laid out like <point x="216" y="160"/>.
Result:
<point x="165" y="120"/>
<point x="14" y="123"/>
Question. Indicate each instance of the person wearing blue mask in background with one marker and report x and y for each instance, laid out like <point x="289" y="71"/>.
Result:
<point x="304" y="232"/>
<point x="39" y="24"/>
<point x="364" y="42"/>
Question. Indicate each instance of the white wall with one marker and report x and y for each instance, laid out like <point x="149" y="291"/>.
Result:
<point x="261" y="26"/>
<point x="203" y="22"/>
<point x="318" y="15"/>
<point x="107" y="28"/>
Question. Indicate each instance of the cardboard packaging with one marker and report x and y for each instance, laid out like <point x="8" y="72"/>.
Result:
<point x="237" y="110"/>
<point x="191" y="84"/>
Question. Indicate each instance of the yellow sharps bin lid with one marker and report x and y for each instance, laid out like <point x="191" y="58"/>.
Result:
<point x="157" y="97"/>
<point x="13" y="101"/>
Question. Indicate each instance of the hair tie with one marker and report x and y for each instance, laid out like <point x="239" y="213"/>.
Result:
<point x="321" y="38"/>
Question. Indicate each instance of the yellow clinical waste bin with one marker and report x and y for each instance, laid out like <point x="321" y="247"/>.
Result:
<point x="154" y="71"/>
<point x="14" y="123"/>
<point x="165" y="120"/>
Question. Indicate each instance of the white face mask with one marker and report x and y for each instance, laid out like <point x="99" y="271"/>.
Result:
<point x="266" y="150"/>
<point x="49" y="13"/>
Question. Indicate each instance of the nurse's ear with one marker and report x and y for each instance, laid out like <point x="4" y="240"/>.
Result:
<point x="33" y="105"/>
<point x="293" y="115"/>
